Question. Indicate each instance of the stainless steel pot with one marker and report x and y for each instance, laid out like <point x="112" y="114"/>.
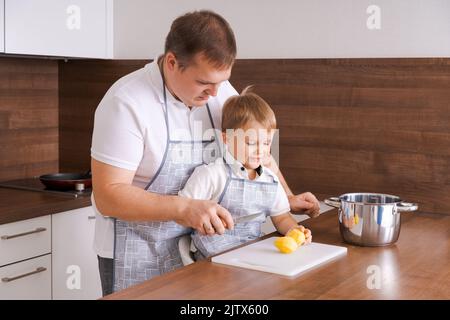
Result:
<point x="370" y="219"/>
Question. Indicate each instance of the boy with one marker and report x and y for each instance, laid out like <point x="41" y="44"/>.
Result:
<point x="239" y="181"/>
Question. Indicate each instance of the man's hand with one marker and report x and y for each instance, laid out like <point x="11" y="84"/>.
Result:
<point x="207" y="217"/>
<point x="305" y="203"/>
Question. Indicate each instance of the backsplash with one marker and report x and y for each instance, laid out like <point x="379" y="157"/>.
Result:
<point x="346" y="125"/>
<point x="83" y="83"/>
<point x="28" y="117"/>
<point x="360" y="125"/>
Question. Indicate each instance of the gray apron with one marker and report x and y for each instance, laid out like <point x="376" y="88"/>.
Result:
<point x="143" y="250"/>
<point x="241" y="197"/>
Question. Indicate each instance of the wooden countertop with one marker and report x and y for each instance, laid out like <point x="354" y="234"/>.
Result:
<point x="416" y="267"/>
<point x="16" y="205"/>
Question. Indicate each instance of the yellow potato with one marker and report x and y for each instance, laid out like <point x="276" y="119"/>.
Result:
<point x="297" y="235"/>
<point x="286" y="244"/>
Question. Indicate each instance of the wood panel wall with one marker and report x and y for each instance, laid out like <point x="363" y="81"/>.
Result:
<point x="83" y="83"/>
<point x="346" y="125"/>
<point x="28" y="117"/>
<point x="360" y="125"/>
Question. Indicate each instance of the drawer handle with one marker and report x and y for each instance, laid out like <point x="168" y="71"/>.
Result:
<point x="38" y="270"/>
<point x="91" y="217"/>
<point x="37" y="230"/>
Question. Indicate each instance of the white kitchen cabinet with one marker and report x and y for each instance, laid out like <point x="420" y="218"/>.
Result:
<point x="75" y="264"/>
<point x="25" y="239"/>
<point x="69" y="28"/>
<point x="29" y="279"/>
<point x="2" y="26"/>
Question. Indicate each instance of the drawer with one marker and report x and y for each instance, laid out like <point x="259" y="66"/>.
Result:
<point x="30" y="279"/>
<point x="25" y="239"/>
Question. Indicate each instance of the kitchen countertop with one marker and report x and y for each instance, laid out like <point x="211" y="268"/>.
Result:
<point x="16" y="205"/>
<point x="416" y="267"/>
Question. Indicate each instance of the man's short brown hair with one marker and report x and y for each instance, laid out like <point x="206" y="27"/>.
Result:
<point x="203" y="32"/>
<point x="239" y="110"/>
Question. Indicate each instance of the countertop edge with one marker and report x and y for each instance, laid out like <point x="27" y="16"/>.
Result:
<point x="33" y="204"/>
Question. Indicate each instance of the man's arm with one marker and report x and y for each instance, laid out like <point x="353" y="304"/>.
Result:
<point x="304" y="203"/>
<point x="116" y="197"/>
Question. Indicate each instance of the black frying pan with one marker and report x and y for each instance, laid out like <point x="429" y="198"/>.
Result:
<point x="66" y="181"/>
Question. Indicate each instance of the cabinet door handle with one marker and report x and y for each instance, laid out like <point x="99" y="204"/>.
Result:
<point x="37" y="230"/>
<point x="38" y="270"/>
<point x="91" y="217"/>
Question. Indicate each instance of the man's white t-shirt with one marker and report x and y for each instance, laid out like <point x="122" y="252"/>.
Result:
<point x="130" y="132"/>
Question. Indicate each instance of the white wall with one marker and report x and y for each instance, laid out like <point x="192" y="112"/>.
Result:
<point x="295" y="28"/>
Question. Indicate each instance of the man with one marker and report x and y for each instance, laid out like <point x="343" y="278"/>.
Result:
<point x="150" y="132"/>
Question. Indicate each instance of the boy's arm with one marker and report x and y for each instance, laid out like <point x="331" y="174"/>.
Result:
<point x="281" y="217"/>
<point x="199" y="186"/>
<point x="285" y="222"/>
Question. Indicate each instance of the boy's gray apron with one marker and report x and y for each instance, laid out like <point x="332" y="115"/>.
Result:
<point x="241" y="197"/>
<point x="143" y="250"/>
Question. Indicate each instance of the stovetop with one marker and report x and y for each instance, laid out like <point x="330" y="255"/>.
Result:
<point x="34" y="184"/>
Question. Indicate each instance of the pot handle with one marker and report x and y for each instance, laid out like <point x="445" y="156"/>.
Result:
<point x="333" y="201"/>
<point x="407" y="206"/>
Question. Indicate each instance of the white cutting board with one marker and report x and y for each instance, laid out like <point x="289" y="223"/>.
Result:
<point x="264" y="256"/>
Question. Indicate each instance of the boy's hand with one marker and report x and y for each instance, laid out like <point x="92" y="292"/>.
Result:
<point x="305" y="203"/>
<point x="306" y="232"/>
<point x="308" y="236"/>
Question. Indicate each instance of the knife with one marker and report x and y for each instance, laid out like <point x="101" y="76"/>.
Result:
<point x="247" y="218"/>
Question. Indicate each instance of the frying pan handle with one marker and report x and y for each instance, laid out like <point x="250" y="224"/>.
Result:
<point x="333" y="201"/>
<point x="407" y="206"/>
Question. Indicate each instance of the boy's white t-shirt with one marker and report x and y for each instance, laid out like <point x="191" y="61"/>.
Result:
<point x="208" y="181"/>
<point x="130" y="132"/>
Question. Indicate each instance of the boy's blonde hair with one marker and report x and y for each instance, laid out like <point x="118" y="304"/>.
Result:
<point x="248" y="106"/>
